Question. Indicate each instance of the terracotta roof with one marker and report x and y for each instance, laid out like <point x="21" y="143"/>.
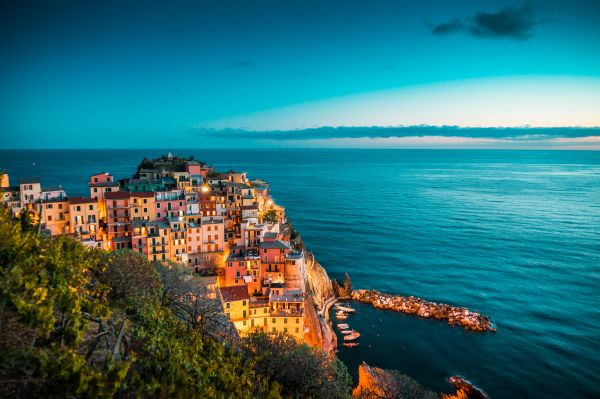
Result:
<point x="105" y="184"/>
<point x="82" y="200"/>
<point x="234" y="293"/>
<point x="117" y="195"/>
<point x="143" y="194"/>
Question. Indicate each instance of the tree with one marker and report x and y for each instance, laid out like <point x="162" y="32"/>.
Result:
<point x="47" y="301"/>
<point x="301" y="371"/>
<point x="129" y="275"/>
<point x="193" y="302"/>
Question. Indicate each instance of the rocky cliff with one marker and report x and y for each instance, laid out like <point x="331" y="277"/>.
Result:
<point x="319" y="297"/>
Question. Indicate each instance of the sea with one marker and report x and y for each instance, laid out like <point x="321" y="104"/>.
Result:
<point x="514" y="235"/>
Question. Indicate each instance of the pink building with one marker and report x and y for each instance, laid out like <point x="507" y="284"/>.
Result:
<point x="169" y="204"/>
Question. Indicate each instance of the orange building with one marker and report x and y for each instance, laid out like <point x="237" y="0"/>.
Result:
<point x="84" y="217"/>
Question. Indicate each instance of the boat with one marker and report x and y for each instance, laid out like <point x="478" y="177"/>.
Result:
<point x="343" y="326"/>
<point x="352" y="336"/>
<point x="346" y="332"/>
<point x="341" y="316"/>
<point x="345" y="309"/>
<point x="351" y="344"/>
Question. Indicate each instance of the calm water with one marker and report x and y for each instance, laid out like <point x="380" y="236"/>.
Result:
<point x="514" y="235"/>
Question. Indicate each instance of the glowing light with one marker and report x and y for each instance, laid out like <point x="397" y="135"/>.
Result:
<point x="204" y="189"/>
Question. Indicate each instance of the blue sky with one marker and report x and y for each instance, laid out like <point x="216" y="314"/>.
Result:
<point x="145" y="74"/>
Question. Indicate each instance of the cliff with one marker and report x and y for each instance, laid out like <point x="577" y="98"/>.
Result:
<point x="320" y="296"/>
<point x="376" y="383"/>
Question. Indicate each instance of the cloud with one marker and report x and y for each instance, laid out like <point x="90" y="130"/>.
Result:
<point x="529" y="134"/>
<point x="242" y="64"/>
<point x="509" y="22"/>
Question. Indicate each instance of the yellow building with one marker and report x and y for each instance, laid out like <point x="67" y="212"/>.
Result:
<point x="143" y="206"/>
<point x="236" y="302"/>
<point x="54" y="216"/>
<point x="84" y="217"/>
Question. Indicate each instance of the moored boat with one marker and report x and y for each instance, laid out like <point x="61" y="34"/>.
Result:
<point x="343" y="326"/>
<point x="346" y="332"/>
<point x="345" y="309"/>
<point x="350" y="344"/>
<point x="352" y="336"/>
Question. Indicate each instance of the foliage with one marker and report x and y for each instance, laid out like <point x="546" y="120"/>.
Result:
<point x="271" y="215"/>
<point x="302" y="371"/>
<point x="175" y="361"/>
<point x="47" y="301"/>
<point x="193" y="302"/>
<point x="129" y="275"/>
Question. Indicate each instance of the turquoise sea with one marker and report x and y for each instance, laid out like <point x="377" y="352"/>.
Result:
<point x="512" y="234"/>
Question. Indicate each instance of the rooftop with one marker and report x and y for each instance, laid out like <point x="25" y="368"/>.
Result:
<point x="234" y="293"/>
<point x="29" y="180"/>
<point x="274" y="245"/>
<point x="117" y="195"/>
<point x="105" y="184"/>
<point x="82" y="200"/>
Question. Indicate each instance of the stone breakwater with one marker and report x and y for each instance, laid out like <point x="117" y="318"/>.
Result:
<point x="420" y="307"/>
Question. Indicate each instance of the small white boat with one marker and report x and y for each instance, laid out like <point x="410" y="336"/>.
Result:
<point x="345" y="309"/>
<point x="342" y="316"/>
<point x="352" y="336"/>
<point x="351" y="344"/>
<point x="346" y="332"/>
<point x="343" y="326"/>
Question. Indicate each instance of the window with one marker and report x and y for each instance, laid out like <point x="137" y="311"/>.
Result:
<point x="158" y="205"/>
<point x="91" y="207"/>
<point x="95" y="190"/>
<point x="243" y="303"/>
<point x="228" y="305"/>
<point x="297" y="330"/>
<point x="145" y="210"/>
<point x="297" y="321"/>
<point x="49" y="218"/>
<point x="145" y="201"/>
<point x="285" y="320"/>
<point x="59" y="206"/>
<point x="285" y="329"/>
<point x="158" y="215"/>
<point x="274" y="320"/>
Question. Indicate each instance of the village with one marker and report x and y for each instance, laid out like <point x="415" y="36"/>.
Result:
<point x="223" y="226"/>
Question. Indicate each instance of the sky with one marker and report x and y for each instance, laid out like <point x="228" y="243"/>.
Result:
<point x="150" y="74"/>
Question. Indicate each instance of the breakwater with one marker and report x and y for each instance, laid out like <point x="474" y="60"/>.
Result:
<point x="453" y="315"/>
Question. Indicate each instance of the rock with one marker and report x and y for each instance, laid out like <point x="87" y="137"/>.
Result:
<point x="412" y="305"/>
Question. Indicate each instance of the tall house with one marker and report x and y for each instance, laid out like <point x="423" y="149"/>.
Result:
<point x="178" y="239"/>
<point x="169" y="204"/>
<point x="84" y="218"/>
<point x="236" y="303"/>
<point x="54" y="215"/>
<point x="118" y="223"/>
<point x="143" y="206"/>
<point x="152" y="239"/>
<point x="100" y="184"/>
<point x="272" y="256"/>
<point x="30" y="190"/>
